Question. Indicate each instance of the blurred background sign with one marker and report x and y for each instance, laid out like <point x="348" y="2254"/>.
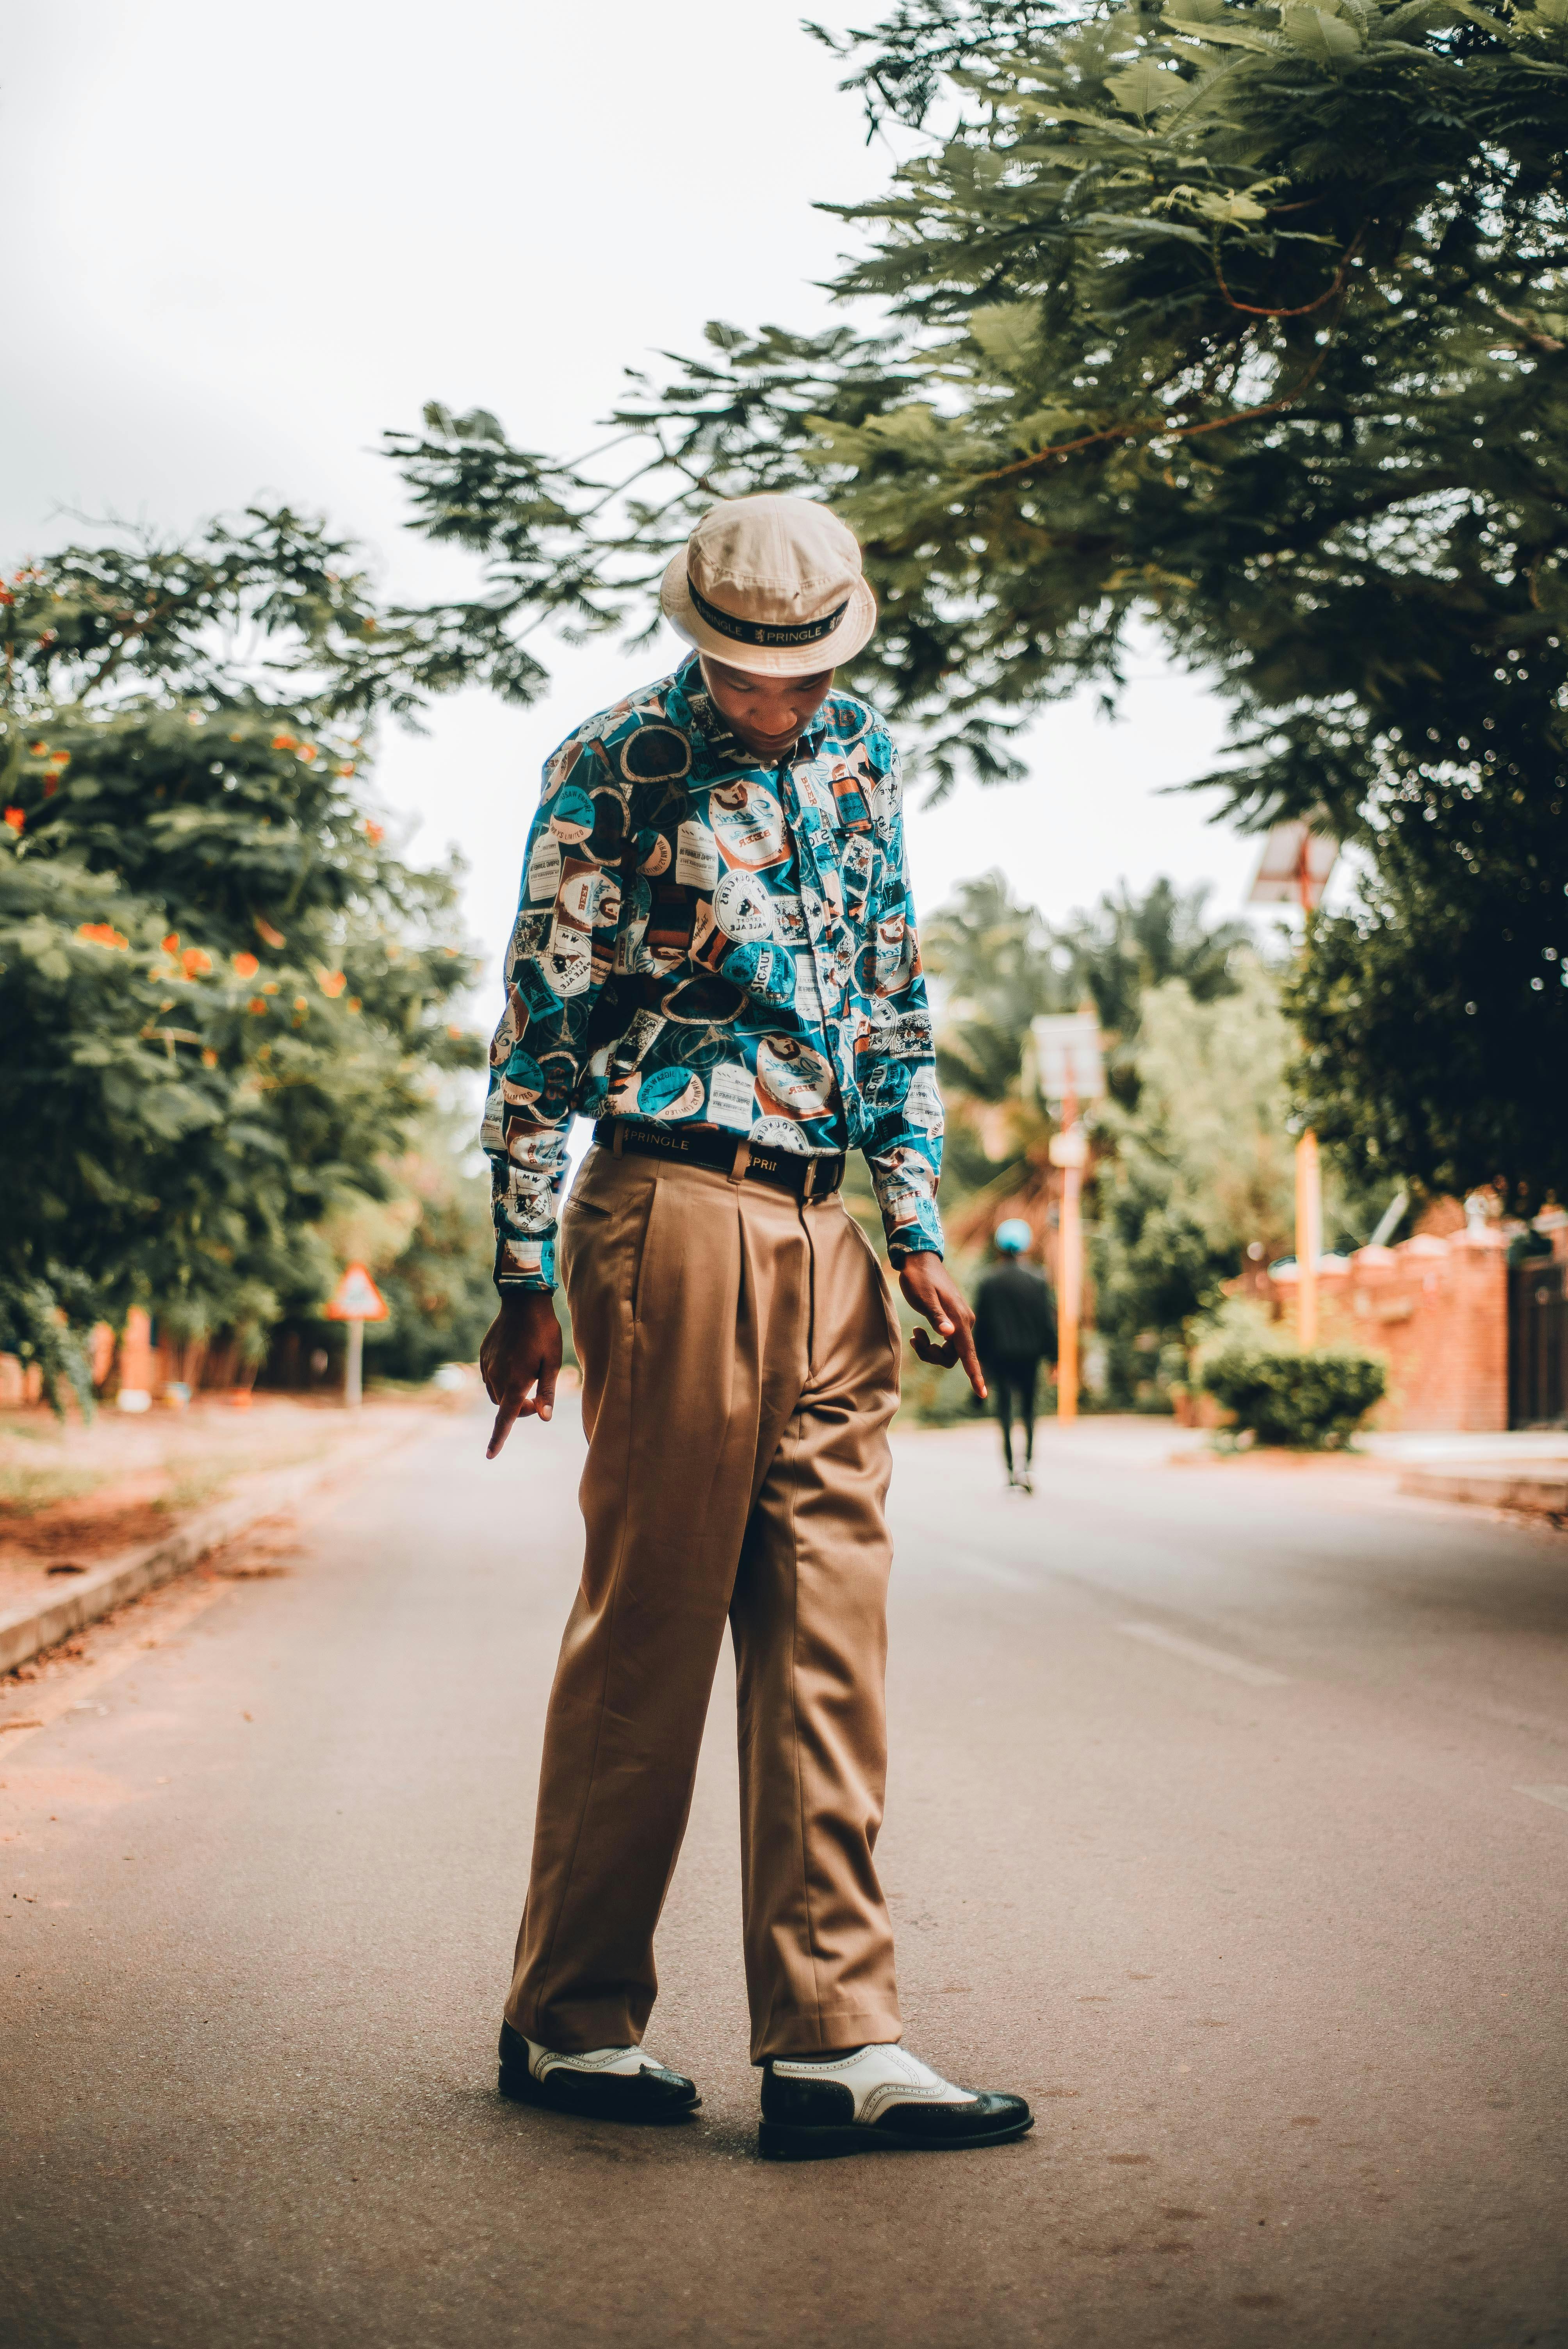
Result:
<point x="1294" y="866"/>
<point x="356" y="1301"/>
<point x="1068" y="1056"/>
<point x="356" y="1298"/>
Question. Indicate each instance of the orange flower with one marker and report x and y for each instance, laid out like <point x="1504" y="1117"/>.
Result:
<point x="300" y="1003"/>
<point x="194" y="963"/>
<point x="209" y="1058"/>
<point x="270" y="987"/>
<point x="354" y="1003"/>
<point x="59" y="757"/>
<point x="171" y="943"/>
<point x="346" y="767"/>
<point x="245" y="966"/>
<point x="307" y="751"/>
<point x="51" y="786"/>
<point x="374" y="833"/>
<point x="332" y="982"/>
<point x="258" y="1003"/>
<point x="15" y="818"/>
<point x="101" y="934"/>
<point x="456" y="1034"/>
<point x="265" y="931"/>
<point x="285" y="741"/>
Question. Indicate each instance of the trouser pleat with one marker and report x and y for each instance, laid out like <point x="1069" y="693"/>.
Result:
<point x="736" y="1468"/>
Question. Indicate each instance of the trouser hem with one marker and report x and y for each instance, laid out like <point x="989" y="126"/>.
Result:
<point x="809" y="2033"/>
<point x="572" y="2030"/>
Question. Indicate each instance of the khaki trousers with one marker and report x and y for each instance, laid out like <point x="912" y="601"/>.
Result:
<point x="739" y="1360"/>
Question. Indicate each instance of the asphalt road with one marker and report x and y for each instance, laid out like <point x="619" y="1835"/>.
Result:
<point x="1205" y="1830"/>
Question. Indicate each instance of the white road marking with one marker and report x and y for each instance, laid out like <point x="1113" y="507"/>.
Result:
<point x="1235" y="1668"/>
<point x="1557" y="1796"/>
<point x="990" y="1569"/>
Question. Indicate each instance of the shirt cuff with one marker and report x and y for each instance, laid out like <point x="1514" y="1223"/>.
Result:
<point x="527" y="1265"/>
<point x="920" y="1238"/>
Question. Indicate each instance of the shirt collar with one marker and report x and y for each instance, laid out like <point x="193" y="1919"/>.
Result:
<point x="689" y="705"/>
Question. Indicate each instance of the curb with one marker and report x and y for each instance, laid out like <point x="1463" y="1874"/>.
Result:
<point x="1538" y="1492"/>
<point x="25" y="1632"/>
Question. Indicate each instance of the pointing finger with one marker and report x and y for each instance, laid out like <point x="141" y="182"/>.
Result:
<point x="504" y="1420"/>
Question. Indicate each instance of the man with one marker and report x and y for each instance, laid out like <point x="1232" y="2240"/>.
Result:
<point x="1015" y="1329"/>
<point x="716" y="961"/>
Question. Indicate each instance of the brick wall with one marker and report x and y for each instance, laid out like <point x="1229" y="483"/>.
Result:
<point x="1437" y="1309"/>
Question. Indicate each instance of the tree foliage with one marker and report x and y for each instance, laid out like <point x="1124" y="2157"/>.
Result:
<point x="1195" y="1143"/>
<point x="1195" y="1170"/>
<point x="1248" y="317"/>
<point x="224" y="1000"/>
<point x="1179" y="999"/>
<point x="1001" y="965"/>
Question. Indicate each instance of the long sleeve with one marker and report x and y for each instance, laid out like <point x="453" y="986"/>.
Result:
<point x="903" y="1108"/>
<point x="561" y="954"/>
<point x="1047" y="1320"/>
<point x="985" y="1331"/>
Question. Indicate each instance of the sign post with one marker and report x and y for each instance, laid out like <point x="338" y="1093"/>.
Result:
<point x="1071" y="1070"/>
<point x="1294" y="869"/>
<point x="356" y="1301"/>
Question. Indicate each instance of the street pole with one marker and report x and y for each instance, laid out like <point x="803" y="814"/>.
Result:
<point x="1308" y="1237"/>
<point x="1069" y="1066"/>
<point x="356" y="1301"/>
<point x="1072" y="1271"/>
<point x="1308" y="1177"/>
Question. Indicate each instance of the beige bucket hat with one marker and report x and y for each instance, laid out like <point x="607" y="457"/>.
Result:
<point x="772" y="584"/>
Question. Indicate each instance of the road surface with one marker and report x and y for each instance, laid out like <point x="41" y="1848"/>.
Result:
<point x="1211" y="1828"/>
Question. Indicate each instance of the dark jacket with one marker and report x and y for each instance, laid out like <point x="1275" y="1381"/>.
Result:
<point x="1014" y="1315"/>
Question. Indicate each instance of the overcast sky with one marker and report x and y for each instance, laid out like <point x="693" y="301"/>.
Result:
<point x="245" y="241"/>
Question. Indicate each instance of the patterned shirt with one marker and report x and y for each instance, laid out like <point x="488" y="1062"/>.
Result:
<point x="702" y="941"/>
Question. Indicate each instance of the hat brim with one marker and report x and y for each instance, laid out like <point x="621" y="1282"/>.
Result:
<point x="853" y="634"/>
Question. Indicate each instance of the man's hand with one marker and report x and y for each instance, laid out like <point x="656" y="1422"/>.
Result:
<point x="932" y="1290"/>
<point x="519" y="1360"/>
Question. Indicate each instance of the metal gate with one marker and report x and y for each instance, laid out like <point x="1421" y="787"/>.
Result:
<point x="1537" y="1344"/>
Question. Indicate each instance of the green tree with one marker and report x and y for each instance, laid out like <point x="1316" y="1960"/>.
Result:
<point x="1193" y="1146"/>
<point x="1196" y="1168"/>
<point x="1247" y="320"/>
<point x="1002" y="964"/>
<point x="224" y="1000"/>
<point x="438" y="1287"/>
<point x="998" y="965"/>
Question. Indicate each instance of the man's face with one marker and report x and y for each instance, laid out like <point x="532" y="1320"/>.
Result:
<point x="767" y="714"/>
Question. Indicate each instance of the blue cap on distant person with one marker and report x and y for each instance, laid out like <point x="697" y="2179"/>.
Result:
<point x="1014" y="1236"/>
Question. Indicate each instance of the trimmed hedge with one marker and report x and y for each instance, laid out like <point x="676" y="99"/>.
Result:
<point x="1315" y="1401"/>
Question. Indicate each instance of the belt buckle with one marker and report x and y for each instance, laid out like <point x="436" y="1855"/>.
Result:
<point x="809" y="1190"/>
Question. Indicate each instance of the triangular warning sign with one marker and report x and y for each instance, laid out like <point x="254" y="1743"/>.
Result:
<point x="356" y="1298"/>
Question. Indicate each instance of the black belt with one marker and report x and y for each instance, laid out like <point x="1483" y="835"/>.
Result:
<point x="813" y="1178"/>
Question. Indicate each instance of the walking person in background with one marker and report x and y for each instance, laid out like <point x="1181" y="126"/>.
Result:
<point x="716" y="961"/>
<point x="1015" y="1332"/>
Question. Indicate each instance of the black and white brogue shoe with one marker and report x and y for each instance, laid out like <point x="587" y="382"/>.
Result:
<point x="607" y="2084"/>
<point x="880" y="2099"/>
